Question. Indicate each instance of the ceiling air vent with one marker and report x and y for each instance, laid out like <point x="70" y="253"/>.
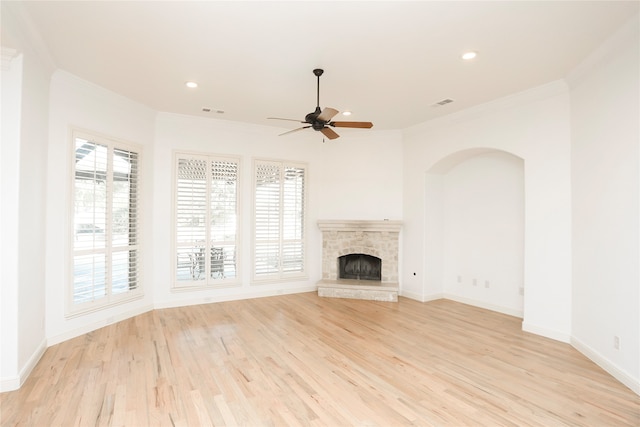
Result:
<point x="208" y="110"/>
<point x="443" y="102"/>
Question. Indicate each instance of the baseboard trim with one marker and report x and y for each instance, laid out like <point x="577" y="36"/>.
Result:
<point x="9" y="384"/>
<point x="619" y="374"/>
<point x="233" y="297"/>
<point x="420" y="297"/>
<point x="57" y="339"/>
<point x="14" y="383"/>
<point x="487" y="306"/>
<point x="547" y="333"/>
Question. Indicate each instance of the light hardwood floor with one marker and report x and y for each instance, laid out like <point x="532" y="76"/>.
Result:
<point x="304" y="360"/>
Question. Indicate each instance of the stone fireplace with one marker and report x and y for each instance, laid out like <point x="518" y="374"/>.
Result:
<point x="360" y="259"/>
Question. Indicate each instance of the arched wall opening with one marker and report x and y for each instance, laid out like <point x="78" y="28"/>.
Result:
<point x="533" y="126"/>
<point x="474" y="228"/>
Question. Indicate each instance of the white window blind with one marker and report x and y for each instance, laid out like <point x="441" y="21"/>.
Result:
<point x="279" y="220"/>
<point x="105" y="222"/>
<point x="206" y="229"/>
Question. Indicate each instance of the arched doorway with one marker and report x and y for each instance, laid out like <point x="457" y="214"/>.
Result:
<point x="475" y="228"/>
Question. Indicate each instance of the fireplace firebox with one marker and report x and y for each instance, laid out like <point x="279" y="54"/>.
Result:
<point x="360" y="267"/>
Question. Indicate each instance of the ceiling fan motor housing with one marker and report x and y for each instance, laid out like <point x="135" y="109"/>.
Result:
<point x="312" y="119"/>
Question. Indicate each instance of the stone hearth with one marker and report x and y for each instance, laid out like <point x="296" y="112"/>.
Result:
<point x="375" y="238"/>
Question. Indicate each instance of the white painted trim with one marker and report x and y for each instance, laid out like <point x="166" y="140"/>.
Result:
<point x="487" y="306"/>
<point x="420" y="297"/>
<point x="14" y="383"/>
<point x="235" y="297"/>
<point x="9" y="384"/>
<point x="359" y="225"/>
<point x="8" y="55"/>
<point x="619" y="374"/>
<point x="547" y="333"/>
<point x="432" y="297"/>
<point x="97" y="325"/>
<point x="410" y="295"/>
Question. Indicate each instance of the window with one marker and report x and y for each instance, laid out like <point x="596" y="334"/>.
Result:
<point x="206" y="220"/>
<point x="279" y="220"/>
<point x="106" y="240"/>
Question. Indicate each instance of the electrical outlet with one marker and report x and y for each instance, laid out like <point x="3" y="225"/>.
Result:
<point x="521" y="291"/>
<point x="616" y="342"/>
<point x="486" y="284"/>
<point x="459" y="279"/>
<point x="475" y="282"/>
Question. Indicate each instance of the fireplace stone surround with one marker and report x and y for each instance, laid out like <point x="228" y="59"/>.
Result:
<point x="376" y="238"/>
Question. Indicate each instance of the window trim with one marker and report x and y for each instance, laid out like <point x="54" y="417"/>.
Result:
<point x="281" y="276"/>
<point x="73" y="309"/>
<point x="187" y="286"/>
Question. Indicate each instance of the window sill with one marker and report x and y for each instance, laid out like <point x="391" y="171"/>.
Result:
<point x="94" y="307"/>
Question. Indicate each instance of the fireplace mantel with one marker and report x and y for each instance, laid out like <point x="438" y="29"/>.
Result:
<point x="359" y="225"/>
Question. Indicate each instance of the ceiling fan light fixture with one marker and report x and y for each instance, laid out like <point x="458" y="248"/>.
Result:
<point x="469" y="55"/>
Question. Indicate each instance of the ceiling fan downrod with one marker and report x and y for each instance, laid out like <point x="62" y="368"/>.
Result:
<point x="318" y="72"/>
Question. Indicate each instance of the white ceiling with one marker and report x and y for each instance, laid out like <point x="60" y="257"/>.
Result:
<point x="388" y="62"/>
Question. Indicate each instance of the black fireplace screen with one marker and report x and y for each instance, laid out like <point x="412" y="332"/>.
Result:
<point x="360" y="266"/>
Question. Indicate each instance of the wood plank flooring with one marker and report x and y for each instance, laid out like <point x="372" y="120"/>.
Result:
<point x="301" y="360"/>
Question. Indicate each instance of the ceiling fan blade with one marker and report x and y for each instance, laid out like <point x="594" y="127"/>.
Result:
<point x="363" y="125"/>
<point x="280" y="118"/>
<point x="327" y="114"/>
<point x="295" y="130"/>
<point x="329" y="133"/>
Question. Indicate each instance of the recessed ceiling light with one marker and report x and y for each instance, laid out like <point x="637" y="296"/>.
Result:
<point x="469" y="55"/>
<point x="346" y="113"/>
<point x="191" y="85"/>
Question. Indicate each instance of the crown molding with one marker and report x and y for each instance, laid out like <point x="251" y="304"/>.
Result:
<point x="25" y="34"/>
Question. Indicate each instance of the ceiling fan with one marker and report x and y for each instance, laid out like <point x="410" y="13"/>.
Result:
<point x="321" y="119"/>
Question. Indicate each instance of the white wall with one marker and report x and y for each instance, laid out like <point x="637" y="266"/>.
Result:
<point x="24" y="155"/>
<point x="337" y="190"/>
<point x="533" y="125"/>
<point x="362" y="176"/>
<point x="483" y="232"/>
<point x="80" y="104"/>
<point x="605" y="123"/>
<point x="9" y="216"/>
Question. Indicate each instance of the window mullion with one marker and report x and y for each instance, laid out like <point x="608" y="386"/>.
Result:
<point x="108" y="247"/>
<point x="281" y="219"/>
<point x="207" y="247"/>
